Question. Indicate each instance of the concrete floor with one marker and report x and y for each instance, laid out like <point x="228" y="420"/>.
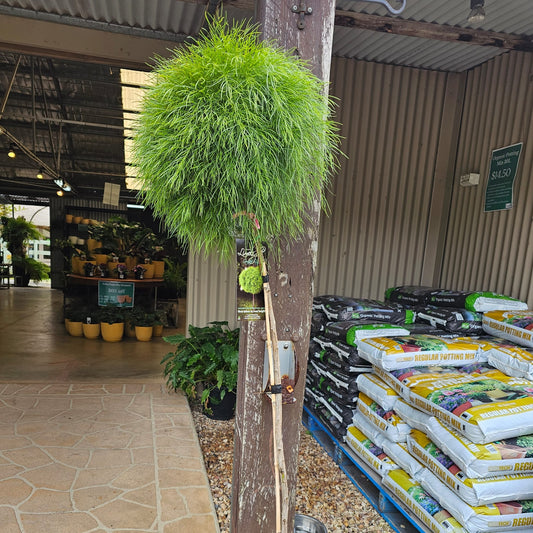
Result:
<point x="90" y="440"/>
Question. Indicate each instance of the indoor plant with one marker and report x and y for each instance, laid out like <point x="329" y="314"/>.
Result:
<point x="144" y="323"/>
<point x="91" y="324"/>
<point x="204" y="365"/>
<point x="17" y="232"/>
<point x="112" y="323"/>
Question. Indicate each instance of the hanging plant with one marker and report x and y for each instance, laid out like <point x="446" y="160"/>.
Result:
<point x="233" y="124"/>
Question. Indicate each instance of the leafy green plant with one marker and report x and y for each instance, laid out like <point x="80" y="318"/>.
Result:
<point x="143" y="318"/>
<point x="233" y="125"/>
<point x="175" y="276"/>
<point x="250" y="280"/>
<point x="17" y="232"/>
<point x="111" y="314"/>
<point x="205" y="360"/>
<point x="31" y="268"/>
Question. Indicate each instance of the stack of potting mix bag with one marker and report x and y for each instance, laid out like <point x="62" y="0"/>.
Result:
<point x="442" y="406"/>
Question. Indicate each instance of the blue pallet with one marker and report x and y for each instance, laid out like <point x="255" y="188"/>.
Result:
<point x="364" y="478"/>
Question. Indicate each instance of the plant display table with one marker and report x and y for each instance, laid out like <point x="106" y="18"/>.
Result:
<point x="91" y="286"/>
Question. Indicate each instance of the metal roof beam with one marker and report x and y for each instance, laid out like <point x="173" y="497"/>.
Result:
<point x="428" y="30"/>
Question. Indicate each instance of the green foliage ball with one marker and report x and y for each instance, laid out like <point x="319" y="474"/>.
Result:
<point x="250" y="280"/>
<point x="233" y="124"/>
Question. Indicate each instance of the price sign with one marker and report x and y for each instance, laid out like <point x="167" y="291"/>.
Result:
<point x="502" y="172"/>
<point x="119" y="294"/>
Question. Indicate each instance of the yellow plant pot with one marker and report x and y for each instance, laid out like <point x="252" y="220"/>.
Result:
<point x="92" y="244"/>
<point x="91" y="331"/>
<point x="75" y="264"/>
<point x="149" y="267"/>
<point x="85" y="221"/>
<point x="112" y="332"/>
<point x="77" y="220"/>
<point x="131" y="262"/>
<point x="100" y="259"/>
<point x="144" y="333"/>
<point x="158" y="330"/>
<point x="76" y="329"/>
<point x="129" y="330"/>
<point x="159" y="268"/>
<point x="68" y="219"/>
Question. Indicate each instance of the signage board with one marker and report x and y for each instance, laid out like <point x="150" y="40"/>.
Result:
<point x="502" y="172"/>
<point x="117" y="293"/>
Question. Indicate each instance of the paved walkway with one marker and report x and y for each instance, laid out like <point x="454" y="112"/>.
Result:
<point x="82" y="456"/>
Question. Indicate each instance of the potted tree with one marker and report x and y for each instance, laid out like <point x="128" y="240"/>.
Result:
<point x="17" y="232"/>
<point x="204" y="366"/>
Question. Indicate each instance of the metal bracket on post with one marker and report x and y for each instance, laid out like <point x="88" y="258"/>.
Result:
<point x="287" y="363"/>
<point x="301" y="10"/>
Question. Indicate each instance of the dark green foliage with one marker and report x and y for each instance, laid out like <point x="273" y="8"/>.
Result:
<point x="233" y="124"/>
<point x="207" y="360"/>
<point x="111" y="314"/>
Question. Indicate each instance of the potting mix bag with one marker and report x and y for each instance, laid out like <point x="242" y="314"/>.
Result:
<point x="339" y="379"/>
<point x="325" y="417"/>
<point x="399" y="379"/>
<point x="426" y="508"/>
<point x="332" y="359"/>
<point x="473" y="491"/>
<point x="504" y="516"/>
<point x="409" y="295"/>
<point x="376" y="389"/>
<point x="452" y="320"/>
<point x="352" y="331"/>
<point x="371" y="310"/>
<point x="399" y="453"/>
<point x="387" y="422"/>
<point x="318" y="322"/>
<point x="343" y="413"/>
<point x="470" y="300"/>
<point x="396" y="352"/>
<point x="497" y="458"/>
<point x="482" y="407"/>
<point x="474" y="301"/>
<point x="326" y="382"/>
<point x="516" y="326"/>
<point x="511" y="359"/>
<point x="366" y="444"/>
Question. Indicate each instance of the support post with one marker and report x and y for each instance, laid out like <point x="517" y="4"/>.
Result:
<point x="291" y="281"/>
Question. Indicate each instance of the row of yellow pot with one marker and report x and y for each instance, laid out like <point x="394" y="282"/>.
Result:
<point x="155" y="269"/>
<point x="112" y="332"/>
<point x="71" y="219"/>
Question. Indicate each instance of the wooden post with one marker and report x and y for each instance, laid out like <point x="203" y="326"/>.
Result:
<point x="291" y="281"/>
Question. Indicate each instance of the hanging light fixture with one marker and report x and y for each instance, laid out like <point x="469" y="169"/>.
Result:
<point x="39" y="174"/>
<point x="60" y="193"/>
<point x="477" y="11"/>
<point x="12" y="152"/>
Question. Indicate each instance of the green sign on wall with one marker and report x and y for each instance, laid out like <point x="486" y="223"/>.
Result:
<point x="117" y="293"/>
<point x="502" y="172"/>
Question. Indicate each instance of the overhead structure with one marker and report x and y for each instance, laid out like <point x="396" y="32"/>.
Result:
<point x="63" y="87"/>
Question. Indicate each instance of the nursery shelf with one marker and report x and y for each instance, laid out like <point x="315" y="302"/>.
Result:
<point x="366" y="480"/>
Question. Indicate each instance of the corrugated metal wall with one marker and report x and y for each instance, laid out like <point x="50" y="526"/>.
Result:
<point x="392" y="119"/>
<point x="494" y="251"/>
<point x="211" y="290"/>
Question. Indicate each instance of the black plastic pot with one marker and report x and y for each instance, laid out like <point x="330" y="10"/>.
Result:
<point x="218" y="409"/>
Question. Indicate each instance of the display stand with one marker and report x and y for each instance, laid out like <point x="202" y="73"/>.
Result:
<point x="363" y="477"/>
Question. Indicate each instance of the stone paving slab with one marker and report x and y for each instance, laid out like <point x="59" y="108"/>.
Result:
<point x="80" y="458"/>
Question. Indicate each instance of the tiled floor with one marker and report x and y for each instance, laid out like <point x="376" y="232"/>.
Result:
<point x="91" y="447"/>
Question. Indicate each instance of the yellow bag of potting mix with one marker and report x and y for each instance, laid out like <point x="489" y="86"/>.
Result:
<point x="391" y="353"/>
<point x="385" y="421"/>
<point x="473" y="491"/>
<point x="411" y="493"/>
<point x="376" y="389"/>
<point x="504" y="516"/>
<point x="516" y="326"/>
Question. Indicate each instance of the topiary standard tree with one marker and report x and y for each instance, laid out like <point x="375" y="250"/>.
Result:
<point x="236" y="126"/>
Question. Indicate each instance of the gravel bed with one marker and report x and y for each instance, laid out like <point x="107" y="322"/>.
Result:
<point x="323" y="491"/>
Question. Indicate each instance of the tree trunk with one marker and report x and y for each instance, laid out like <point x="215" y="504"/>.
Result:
<point x="291" y="281"/>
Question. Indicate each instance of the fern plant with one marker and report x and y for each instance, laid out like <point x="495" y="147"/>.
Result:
<point x="205" y="361"/>
<point x="233" y="125"/>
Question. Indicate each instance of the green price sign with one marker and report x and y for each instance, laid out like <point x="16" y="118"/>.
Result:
<point x="119" y="294"/>
<point x="502" y="172"/>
